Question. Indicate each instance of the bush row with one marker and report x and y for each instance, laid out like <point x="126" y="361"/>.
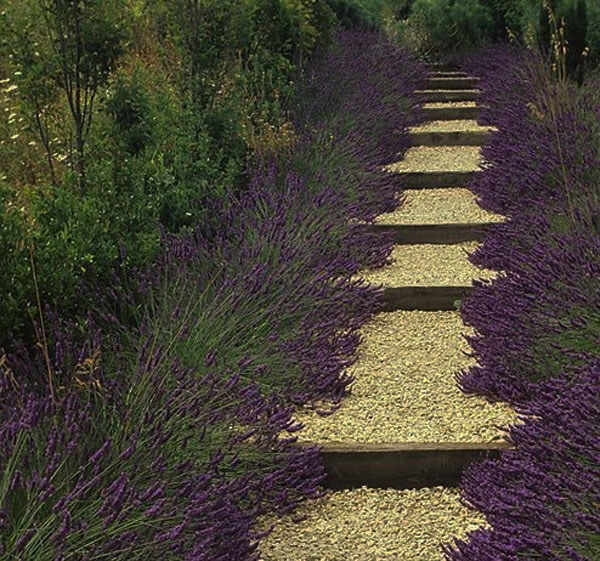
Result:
<point x="162" y="425"/>
<point x="537" y="324"/>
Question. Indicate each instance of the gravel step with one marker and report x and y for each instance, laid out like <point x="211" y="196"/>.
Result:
<point x="449" y="138"/>
<point x="438" y="206"/>
<point x="406" y="234"/>
<point x="448" y="74"/>
<point x="447" y="95"/>
<point x="439" y="159"/>
<point x="450" y="104"/>
<point x="428" y="265"/>
<point x="401" y="465"/>
<point x="404" y="388"/>
<point x="441" y="67"/>
<point x="437" y="166"/>
<point x="369" y="525"/>
<point x="451" y="82"/>
<point x="454" y="125"/>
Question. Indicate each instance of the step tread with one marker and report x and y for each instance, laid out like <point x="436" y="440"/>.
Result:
<point x="448" y="104"/>
<point x="453" y="125"/>
<point x="429" y="91"/>
<point x="369" y="524"/>
<point x="438" y="159"/>
<point x="428" y="265"/>
<point x="438" y="206"/>
<point x="404" y="388"/>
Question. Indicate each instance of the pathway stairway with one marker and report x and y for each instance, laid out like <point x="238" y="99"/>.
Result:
<point x="396" y="448"/>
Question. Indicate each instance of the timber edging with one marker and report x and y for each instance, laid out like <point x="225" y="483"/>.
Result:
<point x="426" y="298"/>
<point x="447" y="233"/>
<point x="401" y="465"/>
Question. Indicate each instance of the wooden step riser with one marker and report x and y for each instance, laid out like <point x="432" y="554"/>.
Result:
<point x="401" y="465"/>
<point x="434" y="179"/>
<point x="449" y="138"/>
<point x="424" y="298"/>
<point x="434" y="96"/>
<point x="441" y="67"/>
<point x="410" y="234"/>
<point x="452" y="83"/>
<point x="450" y="113"/>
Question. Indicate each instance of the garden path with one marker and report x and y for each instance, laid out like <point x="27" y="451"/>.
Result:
<point x="406" y="423"/>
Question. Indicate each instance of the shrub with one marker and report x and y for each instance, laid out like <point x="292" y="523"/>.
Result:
<point x="169" y="124"/>
<point x="436" y="28"/>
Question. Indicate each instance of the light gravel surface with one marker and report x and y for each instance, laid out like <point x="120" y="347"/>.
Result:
<point x="450" y="104"/>
<point x="452" y="90"/>
<point x="428" y="265"/>
<point x="454" y="125"/>
<point x="438" y="206"/>
<point x="404" y="388"/>
<point x="370" y="525"/>
<point x="439" y="158"/>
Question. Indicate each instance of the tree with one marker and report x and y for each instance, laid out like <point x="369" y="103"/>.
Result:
<point x="86" y="42"/>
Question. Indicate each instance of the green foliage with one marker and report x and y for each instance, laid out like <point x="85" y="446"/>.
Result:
<point x="401" y="8"/>
<point x="546" y="9"/>
<point x="70" y="44"/>
<point x="15" y="261"/>
<point x="576" y="25"/>
<point x="439" y="27"/>
<point x="593" y="31"/>
<point x="153" y="116"/>
<point x="354" y="13"/>
<point x="562" y="34"/>
<point x="129" y="107"/>
<point x="506" y="15"/>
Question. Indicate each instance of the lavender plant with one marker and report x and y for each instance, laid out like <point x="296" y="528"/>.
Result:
<point x="171" y="426"/>
<point x="542" y="499"/>
<point x="537" y="324"/>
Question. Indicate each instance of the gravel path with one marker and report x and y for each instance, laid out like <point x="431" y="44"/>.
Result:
<point x="439" y="158"/>
<point x="404" y="388"/>
<point x="451" y="126"/>
<point x="438" y="206"/>
<point x="429" y="265"/>
<point x="371" y="525"/>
